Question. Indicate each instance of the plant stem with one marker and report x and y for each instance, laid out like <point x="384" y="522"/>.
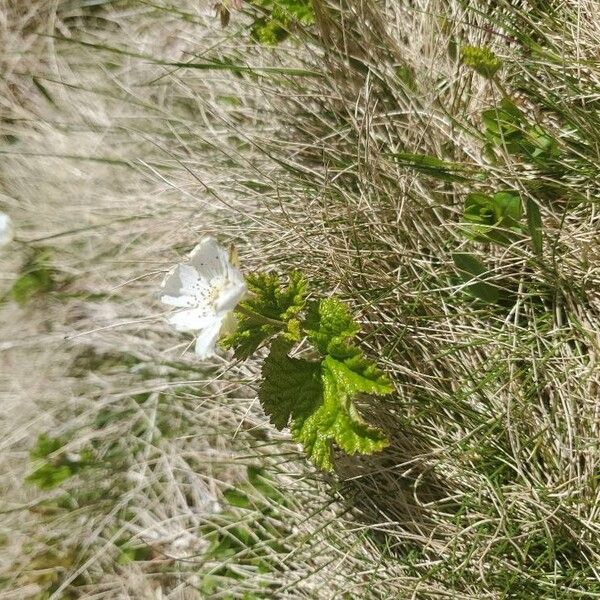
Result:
<point x="255" y="315"/>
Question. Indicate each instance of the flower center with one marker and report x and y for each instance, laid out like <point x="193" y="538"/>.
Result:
<point x="206" y="295"/>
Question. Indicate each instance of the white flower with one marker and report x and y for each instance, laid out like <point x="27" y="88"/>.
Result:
<point x="207" y="288"/>
<point x="6" y="229"/>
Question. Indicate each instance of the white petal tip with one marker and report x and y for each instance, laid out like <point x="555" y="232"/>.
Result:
<point x="6" y="229"/>
<point x="206" y="342"/>
<point x="205" y="355"/>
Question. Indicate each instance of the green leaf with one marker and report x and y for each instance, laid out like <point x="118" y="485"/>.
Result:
<point x="505" y="119"/>
<point x="251" y="332"/>
<point x="49" y="476"/>
<point x="318" y="397"/>
<point x="534" y="224"/>
<point x="237" y="498"/>
<point x="493" y="218"/>
<point x="294" y="10"/>
<point x="337" y="420"/>
<point x="46" y="445"/>
<point x="505" y="127"/>
<point x="432" y="166"/>
<point x="469" y="264"/>
<point x="472" y="271"/>
<point x="279" y="17"/>
<point x="330" y="326"/>
<point x="508" y="127"/>
<point x="271" y="308"/>
<point x="268" y="31"/>
<point x="290" y="388"/>
<point x="543" y="145"/>
<point x="508" y="208"/>
<point x="37" y="277"/>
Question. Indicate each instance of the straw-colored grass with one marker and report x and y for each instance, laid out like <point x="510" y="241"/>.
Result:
<point x="122" y="144"/>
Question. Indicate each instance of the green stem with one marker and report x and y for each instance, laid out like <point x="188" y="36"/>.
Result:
<point x="255" y="315"/>
<point x="501" y="87"/>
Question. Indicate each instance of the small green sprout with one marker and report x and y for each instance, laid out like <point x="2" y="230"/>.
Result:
<point x="493" y="218"/>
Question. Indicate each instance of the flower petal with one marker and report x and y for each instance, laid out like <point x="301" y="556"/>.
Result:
<point x="178" y="301"/>
<point x="210" y="259"/>
<point x="183" y="280"/>
<point x="191" y="280"/>
<point x="229" y="297"/>
<point x="206" y="341"/>
<point x="192" y="319"/>
<point x="171" y="284"/>
<point x="234" y="275"/>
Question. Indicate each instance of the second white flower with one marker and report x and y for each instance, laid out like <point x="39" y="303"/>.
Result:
<point x="6" y="229"/>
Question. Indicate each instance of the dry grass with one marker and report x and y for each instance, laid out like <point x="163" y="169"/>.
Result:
<point x="118" y="163"/>
<point x="112" y="174"/>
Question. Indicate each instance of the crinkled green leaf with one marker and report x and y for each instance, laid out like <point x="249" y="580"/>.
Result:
<point x="270" y="308"/>
<point x="372" y="379"/>
<point x="271" y="297"/>
<point x="331" y="328"/>
<point x="337" y="419"/>
<point x="317" y="398"/>
<point x="291" y="388"/>
<point x="252" y="331"/>
<point x="269" y="32"/>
